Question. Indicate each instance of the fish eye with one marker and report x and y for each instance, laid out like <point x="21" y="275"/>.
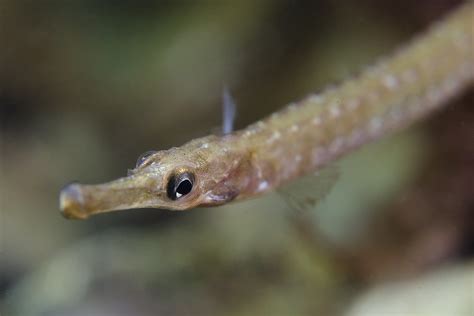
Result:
<point x="144" y="157"/>
<point x="179" y="185"/>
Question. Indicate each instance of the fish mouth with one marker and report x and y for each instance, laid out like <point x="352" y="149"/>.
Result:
<point x="71" y="202"/>
<point x="79" y="201"/>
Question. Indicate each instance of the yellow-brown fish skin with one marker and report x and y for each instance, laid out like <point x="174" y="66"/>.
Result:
<point x="221" y="173"/>
<point x="413" y="83"/>
<point x="304" y="136"/>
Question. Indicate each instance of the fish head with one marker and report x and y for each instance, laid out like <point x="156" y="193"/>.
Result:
<point x="204" y="172"/>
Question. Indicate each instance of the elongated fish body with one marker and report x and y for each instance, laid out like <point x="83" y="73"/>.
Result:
<point x="300" y="139"/>
<point x="393" y="93"/>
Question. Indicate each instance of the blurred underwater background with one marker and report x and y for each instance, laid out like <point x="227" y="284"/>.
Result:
<point x="87" y="86"/>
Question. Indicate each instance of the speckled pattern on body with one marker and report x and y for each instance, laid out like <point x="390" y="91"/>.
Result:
<point x="303" y="137"/>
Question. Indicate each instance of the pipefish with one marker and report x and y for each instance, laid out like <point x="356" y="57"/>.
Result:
<point x="301" y="138"/>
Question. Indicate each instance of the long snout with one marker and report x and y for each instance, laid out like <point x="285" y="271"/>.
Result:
<point x="78" y="201"/>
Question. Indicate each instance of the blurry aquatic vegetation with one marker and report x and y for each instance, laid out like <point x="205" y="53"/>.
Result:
<point x="86" y="86"/>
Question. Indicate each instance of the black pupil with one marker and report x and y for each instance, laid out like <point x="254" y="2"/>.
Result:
<point x="180" y="185"/>
<point x="184" y="187"/>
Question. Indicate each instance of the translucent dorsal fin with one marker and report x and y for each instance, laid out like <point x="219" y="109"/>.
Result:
<point x="304" y="194"/>
<point x="228" y="112"/>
